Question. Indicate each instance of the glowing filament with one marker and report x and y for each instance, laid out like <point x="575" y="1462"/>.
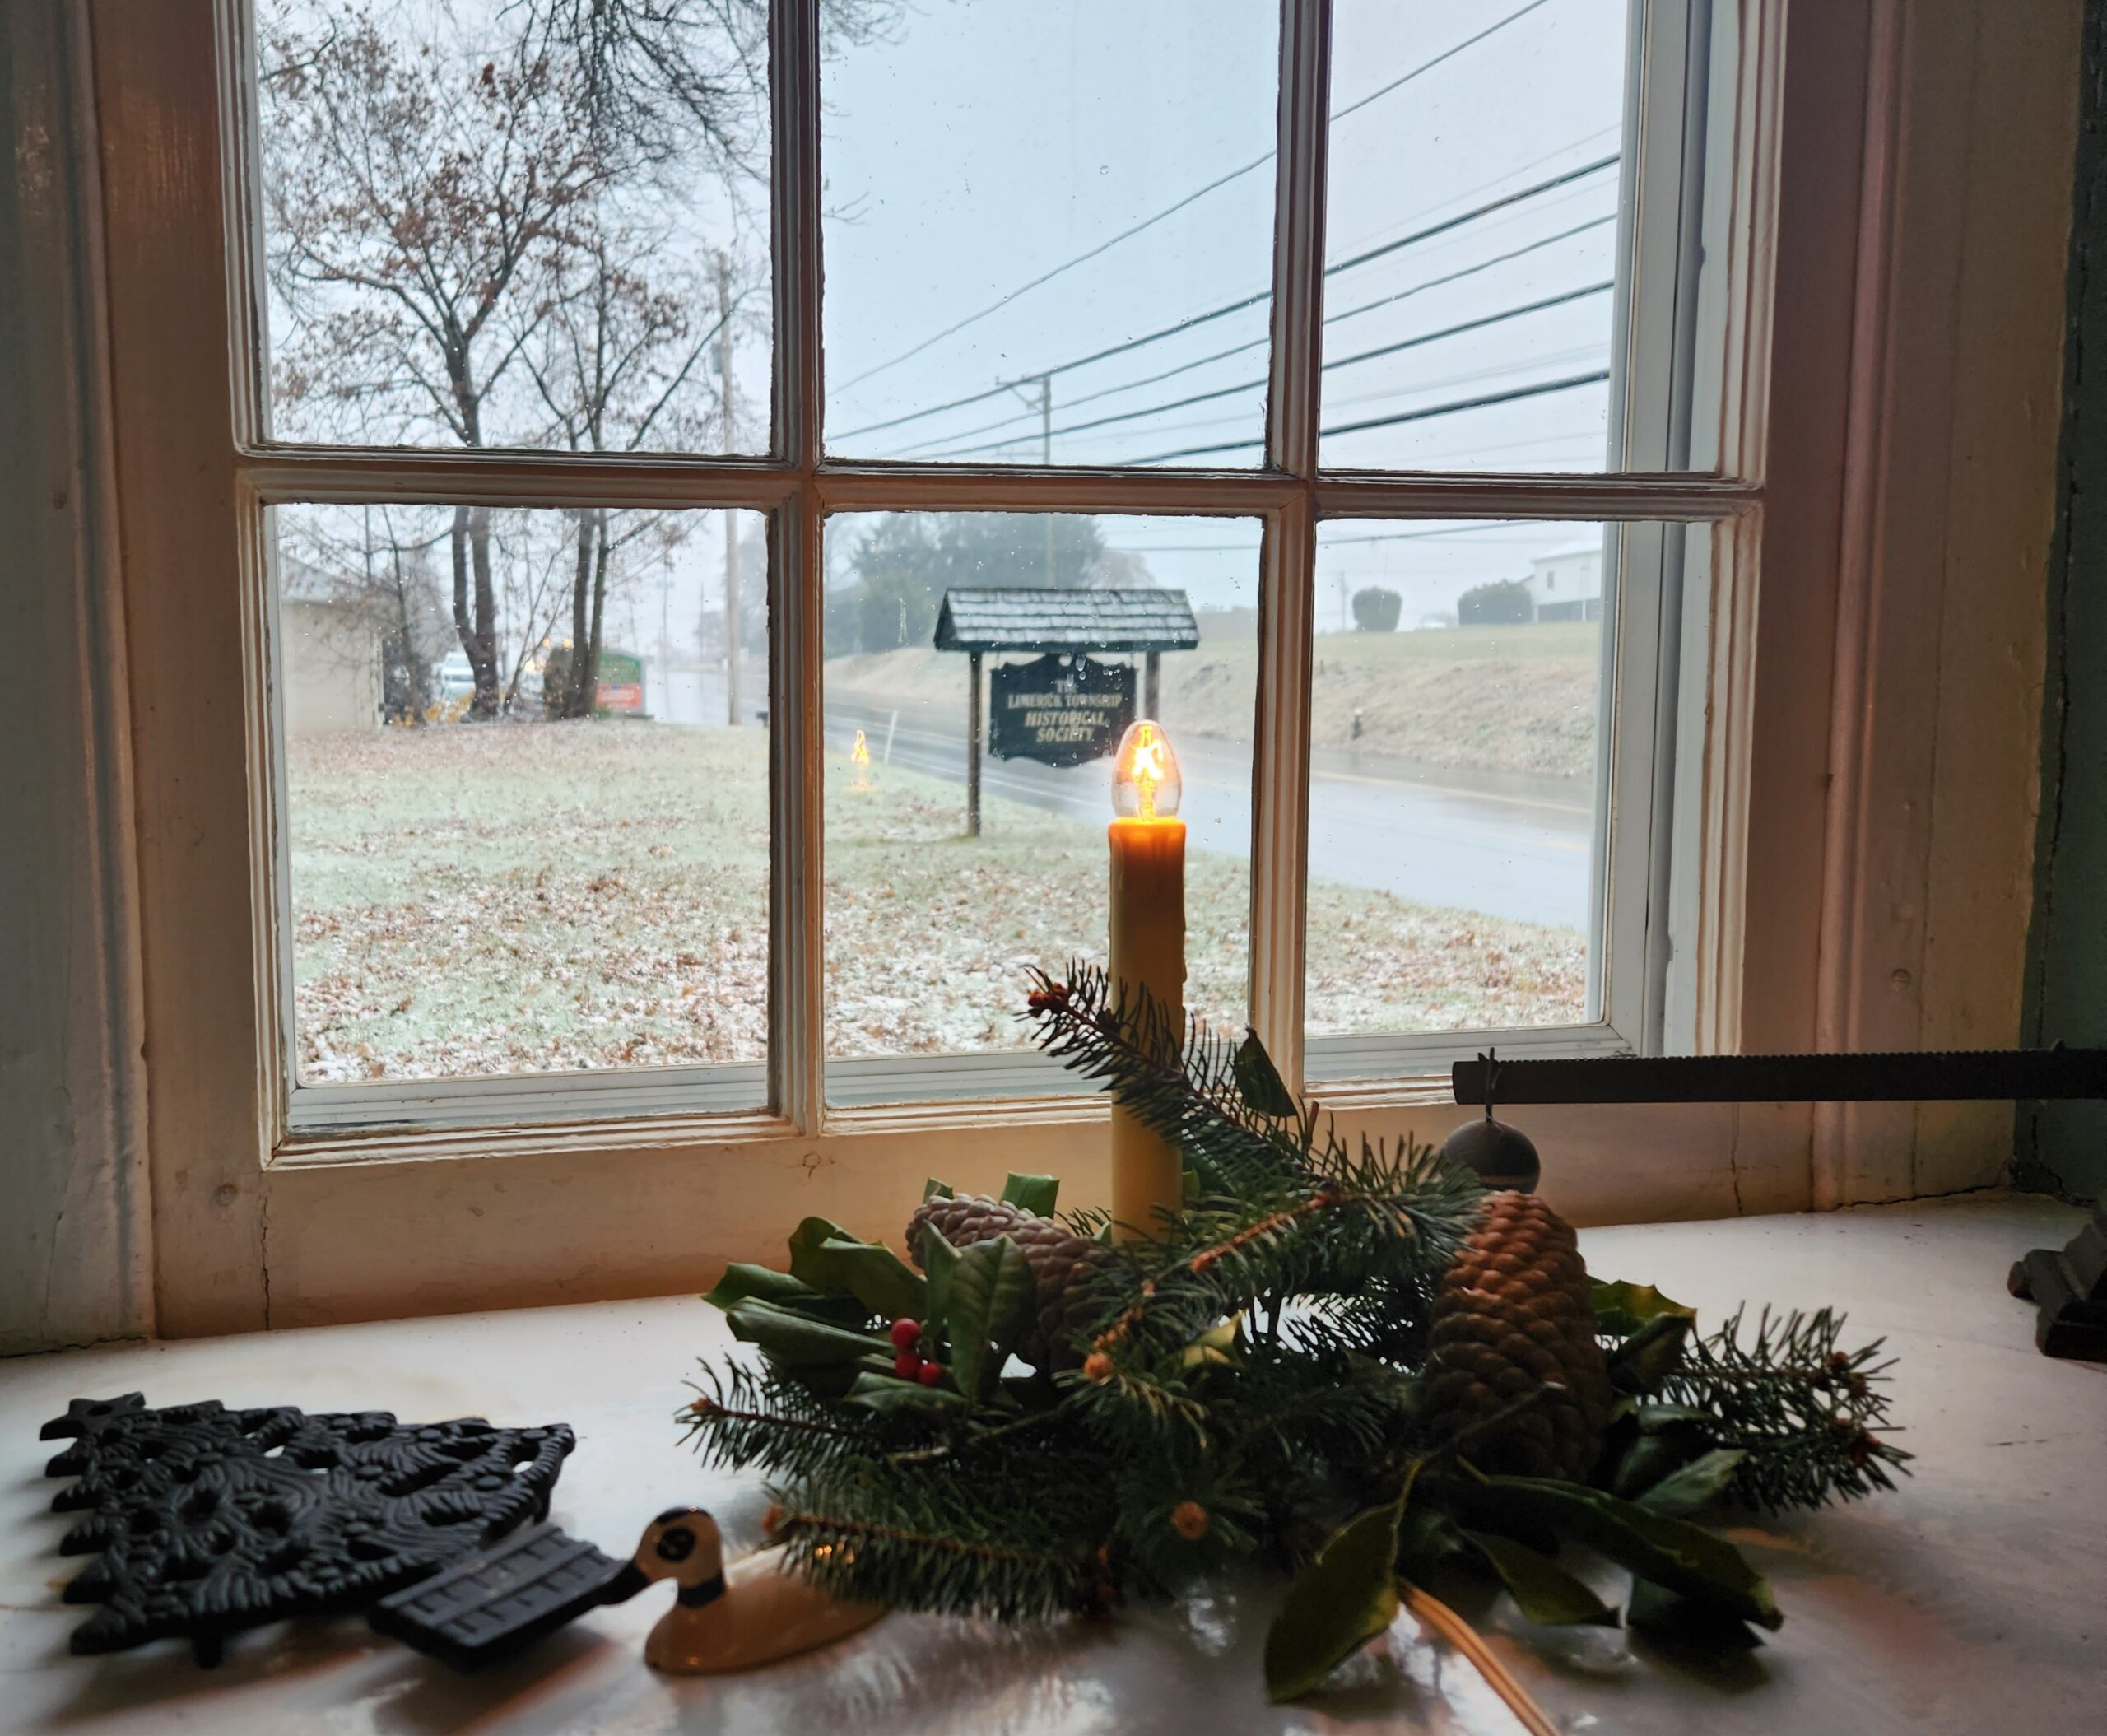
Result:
<point x="1146" y="784"/>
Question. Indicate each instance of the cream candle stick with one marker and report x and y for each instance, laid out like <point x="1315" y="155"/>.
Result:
<point x="1147" y="952"/>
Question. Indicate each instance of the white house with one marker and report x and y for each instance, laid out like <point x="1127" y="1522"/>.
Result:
<point x="1566" y="584"/>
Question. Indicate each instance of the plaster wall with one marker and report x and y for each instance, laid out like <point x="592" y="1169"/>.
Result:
<point x="73" y="1264"/>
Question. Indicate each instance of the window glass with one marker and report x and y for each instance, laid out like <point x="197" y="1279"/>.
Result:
<point x="500" y="863"/>
<point x="1472" y="245"/>
<point x="1049" y="232"/>
<point x="1455" y="750"/>
<point x="930" y="927"/>
<point x="506" y="223"/>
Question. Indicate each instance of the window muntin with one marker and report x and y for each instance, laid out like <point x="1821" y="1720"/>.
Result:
<point x="543" y="893"/>
<point x="497" y="224"/>
<point x="1660" y="412"/>
<point x="1070" y="262"/>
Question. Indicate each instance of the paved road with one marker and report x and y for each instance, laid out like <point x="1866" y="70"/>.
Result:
<point x="1520" y="851"/>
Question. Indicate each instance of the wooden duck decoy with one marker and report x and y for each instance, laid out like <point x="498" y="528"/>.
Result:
<point x="721" y="1621"/>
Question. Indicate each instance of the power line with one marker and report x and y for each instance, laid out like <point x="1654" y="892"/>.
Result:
<point x="1352" y="313"/>
<point x="1259" y="162"/>
<point x="1247" y="385"/>
<point x="1542" y="389"/>
<point x="1337" y="318"/>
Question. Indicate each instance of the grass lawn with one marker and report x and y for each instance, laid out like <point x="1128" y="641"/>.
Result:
<point x="1471" y="698"/>
<point x="470" y="900"/>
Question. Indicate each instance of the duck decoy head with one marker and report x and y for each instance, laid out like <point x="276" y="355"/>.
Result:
<point x="683" y="1544"/>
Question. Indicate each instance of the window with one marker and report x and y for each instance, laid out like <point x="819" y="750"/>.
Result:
<point x="1036" y="301"/>
<point x="578" y="525"/>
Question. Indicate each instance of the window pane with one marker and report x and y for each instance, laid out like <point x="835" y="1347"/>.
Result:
<point x="1477" y="156"/>
<point x="1455" y="699"/>
<point x="496" y="865"/>
<point x="1050" y="231"/>
<point x="929" y="929"/>
<point x="538" y="223"/>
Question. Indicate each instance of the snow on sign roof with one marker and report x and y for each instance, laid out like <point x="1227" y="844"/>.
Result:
<point x="1024" y="618"/>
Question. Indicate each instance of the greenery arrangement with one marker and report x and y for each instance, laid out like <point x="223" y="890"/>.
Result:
<point x="1343" y="1360"/>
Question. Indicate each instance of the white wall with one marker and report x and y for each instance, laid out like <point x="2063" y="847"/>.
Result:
<point x="73" y="1264"/>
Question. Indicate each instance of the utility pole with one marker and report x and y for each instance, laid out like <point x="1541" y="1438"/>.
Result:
<point x="730" y="519"/>
<point x="1046" y="456"/>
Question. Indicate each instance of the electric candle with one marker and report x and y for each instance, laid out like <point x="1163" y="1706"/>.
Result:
<point x="1148" y="952"/>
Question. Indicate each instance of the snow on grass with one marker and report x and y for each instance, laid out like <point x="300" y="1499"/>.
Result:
<point x="500" y="899"/>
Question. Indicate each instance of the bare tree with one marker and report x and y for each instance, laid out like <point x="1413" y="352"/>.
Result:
<point x="410" y="189"/>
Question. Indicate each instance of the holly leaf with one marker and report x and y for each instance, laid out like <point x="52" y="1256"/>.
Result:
<point x="1342" y="1599"/>
<point x="1033" y="1193"/>
<point x="991" y="1298"/>
<point x="1683" y="1557"/>
<point x="1258" y="1081"/>
<point x="1643" y="1361"/>
<point x="1543" y="1591"/>
<point x="1622" y="1308"/>
<point x="827" y="1257"/>
<point x="888" y="1395"/>
<point x="1698" y="1485"/>
<point x="797" y="1340"/>
<point x="939" y="1260"/>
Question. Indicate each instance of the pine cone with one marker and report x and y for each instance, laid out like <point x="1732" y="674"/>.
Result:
<point x="1512" y="1312"/>
<point x="1060" y="1260"/>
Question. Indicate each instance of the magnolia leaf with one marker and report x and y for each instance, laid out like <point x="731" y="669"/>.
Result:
<point x="1643" y="1361"/>
<point x="1670" y="1551"/>
<point x="1258" y="1081"/>
<point x="888" y="1395"/>
<point x="991" y="1298"/>
<point x="934" y="1188"/>
<point x="1656" y="1610"/>
<point x="827" y="1257"/>
<point x="939" y="1260"/>
<point x="1033" y="1193"/>
<point x="741" y="1283"/>
<point x="1649" y="1459"/>
<point x="1543" y="1591"/>
<point x="1427" y="1540"/>
<point x="1345" y="1596"/>
<point x="1623" y="1308"/>
<point x="797" y="1340"/>
<point x="1698" y="1485"/>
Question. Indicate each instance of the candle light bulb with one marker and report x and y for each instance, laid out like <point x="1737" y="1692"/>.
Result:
<point x="1145" y="781"/>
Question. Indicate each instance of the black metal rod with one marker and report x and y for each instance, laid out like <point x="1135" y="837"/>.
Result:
<point x="1951" y="1075"/>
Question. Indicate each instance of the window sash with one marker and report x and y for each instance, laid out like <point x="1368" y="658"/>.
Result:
<point x="797" y="487"/>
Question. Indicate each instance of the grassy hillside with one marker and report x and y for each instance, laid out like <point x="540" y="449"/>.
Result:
<point x="1486" y="699"/>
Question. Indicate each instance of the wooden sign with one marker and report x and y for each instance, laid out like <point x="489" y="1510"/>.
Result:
<point x="1060" y="711"/>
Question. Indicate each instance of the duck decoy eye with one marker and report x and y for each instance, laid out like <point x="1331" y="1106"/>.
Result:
<point x="677" y="1544"/>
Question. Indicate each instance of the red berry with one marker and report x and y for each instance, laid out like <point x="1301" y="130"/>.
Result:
<point x="907" y="1365"/>
<point x="906" y="1333"/>
<point x="929" y="1374"/>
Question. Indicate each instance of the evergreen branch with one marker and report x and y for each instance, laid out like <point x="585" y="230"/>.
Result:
<point x="743" y="1419"/>
<point x="1017" y="1543"/>
<point x="1803" y="1411"/>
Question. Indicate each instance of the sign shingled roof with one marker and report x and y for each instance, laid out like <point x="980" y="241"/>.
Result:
<point x="1024" y="618"/>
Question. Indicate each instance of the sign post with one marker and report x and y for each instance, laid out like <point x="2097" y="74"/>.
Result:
<point x="1064" y="708"/>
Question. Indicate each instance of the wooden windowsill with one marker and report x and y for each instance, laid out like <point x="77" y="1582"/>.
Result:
<point x="1967" y="1600"/>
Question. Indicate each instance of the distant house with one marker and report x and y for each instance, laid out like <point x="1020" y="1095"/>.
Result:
<point x="329" y="658"/>
<point x="1567" y="583"/>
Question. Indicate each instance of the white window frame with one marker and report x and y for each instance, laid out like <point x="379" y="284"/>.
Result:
<point x="470" y="1195"/>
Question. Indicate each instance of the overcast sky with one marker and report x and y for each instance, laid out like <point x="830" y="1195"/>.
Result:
<point x="984" y="145"/>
